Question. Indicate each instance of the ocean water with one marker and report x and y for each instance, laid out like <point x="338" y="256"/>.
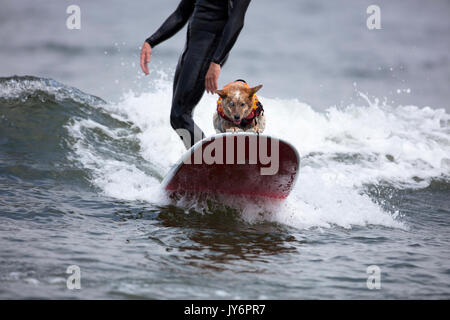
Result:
<point x="85" y="141"/>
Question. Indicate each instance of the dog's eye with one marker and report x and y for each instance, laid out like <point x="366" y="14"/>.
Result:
<point x="242" y="104"/>
<point x="231" y="104"/>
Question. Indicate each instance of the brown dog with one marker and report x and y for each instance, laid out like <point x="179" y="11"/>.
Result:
<point x="238" y="109"/>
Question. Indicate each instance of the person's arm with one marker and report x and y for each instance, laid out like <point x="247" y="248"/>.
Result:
<point x="230" y="34"/>
<point x="231" y="31"/>
<point x="173" y="24"/>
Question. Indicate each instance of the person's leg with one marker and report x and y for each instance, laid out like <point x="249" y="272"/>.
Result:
<point x="181" y="60"/>
<point x="189" y="83"/>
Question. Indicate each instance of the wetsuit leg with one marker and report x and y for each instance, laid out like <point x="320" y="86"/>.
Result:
<point x="189" y="82"/>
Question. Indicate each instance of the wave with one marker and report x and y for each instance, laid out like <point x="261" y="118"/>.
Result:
<point x="19" y="89"/>
<point x="125" y="148"/>
<point x="34" y="143"/>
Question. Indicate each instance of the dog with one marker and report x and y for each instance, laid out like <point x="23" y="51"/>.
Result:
<point x="238" y="109"/>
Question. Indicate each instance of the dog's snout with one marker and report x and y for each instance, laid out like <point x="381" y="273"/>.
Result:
<point x="237" y="117"/>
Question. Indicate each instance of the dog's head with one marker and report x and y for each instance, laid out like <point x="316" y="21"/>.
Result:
<point x="237" y="101"/>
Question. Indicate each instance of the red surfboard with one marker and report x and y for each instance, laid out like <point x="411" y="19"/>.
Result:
<point x="241" y="164"/>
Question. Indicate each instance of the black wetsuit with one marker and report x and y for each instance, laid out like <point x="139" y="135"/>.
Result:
<point x="213" y="29"/>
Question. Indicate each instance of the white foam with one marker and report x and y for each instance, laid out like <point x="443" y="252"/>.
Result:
<point x="342" y="150"/>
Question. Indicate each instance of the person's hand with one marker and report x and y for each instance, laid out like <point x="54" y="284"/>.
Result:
<point x="146" y="51"/>
<point x="212" y="77"/>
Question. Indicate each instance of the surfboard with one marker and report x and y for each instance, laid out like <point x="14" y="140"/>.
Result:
<point x="238" y="164"/>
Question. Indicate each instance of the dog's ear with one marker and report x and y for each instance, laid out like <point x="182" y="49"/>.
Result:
<point x="221" y="93"/>
<point x="253" y="90"/>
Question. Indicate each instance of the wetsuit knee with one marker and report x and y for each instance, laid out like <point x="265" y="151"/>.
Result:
<point x="176" y="120"/>
<point x="184" y="126"/>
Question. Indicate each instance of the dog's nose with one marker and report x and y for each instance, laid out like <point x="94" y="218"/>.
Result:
<point x="236" y="117"/>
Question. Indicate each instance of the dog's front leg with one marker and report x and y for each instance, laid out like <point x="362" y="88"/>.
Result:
<point x="255" y="130"/>
<point x="234" y="129"/>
